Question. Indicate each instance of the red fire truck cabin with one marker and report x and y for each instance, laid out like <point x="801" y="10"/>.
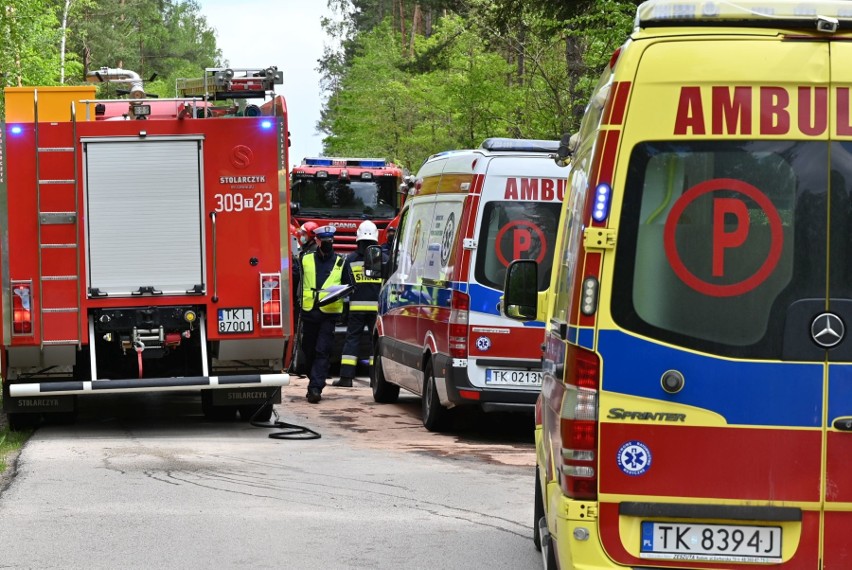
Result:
<point x="343" y="192"/>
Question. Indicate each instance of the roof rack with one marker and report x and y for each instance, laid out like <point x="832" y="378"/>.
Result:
<point x="220" y="83"/>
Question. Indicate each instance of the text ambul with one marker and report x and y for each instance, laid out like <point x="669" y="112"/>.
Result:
<point x="536" y="189"/>
<point x="766" y="110"/>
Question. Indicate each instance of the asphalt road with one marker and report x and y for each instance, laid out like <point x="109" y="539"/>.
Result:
<point x="145" y="482"/>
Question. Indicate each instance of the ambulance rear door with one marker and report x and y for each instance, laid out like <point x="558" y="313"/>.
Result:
<point x="712" y="395"/>
<point x="518" y="216"/>
<point x="831" y="323"/>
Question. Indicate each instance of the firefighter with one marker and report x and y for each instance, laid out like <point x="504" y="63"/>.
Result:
<point x="307" y="243"/>
<point x="390" y="234"/>
<point x="320" y="270"/>
<point x="363" y="303"/>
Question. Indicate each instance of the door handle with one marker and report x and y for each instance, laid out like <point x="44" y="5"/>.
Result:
<point x="843" y="424"/>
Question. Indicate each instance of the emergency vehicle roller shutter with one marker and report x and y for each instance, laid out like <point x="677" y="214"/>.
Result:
<point x="143" y="212"/>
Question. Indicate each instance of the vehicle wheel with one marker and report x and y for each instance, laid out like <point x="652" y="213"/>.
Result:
<point x="538" y="511"/>
<point x="383" y="391"/>
<point x="435" y="416"/>
<point x="22" y="422"/>
<point x="264" y="413"/>
<point x="61" y="418"/>
<point x="216" y="413"/>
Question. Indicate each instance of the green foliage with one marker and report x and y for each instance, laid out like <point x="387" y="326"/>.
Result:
<point x="10" y="441"/>
<point x="29" y="35"/>
<point x="481" y="68"/>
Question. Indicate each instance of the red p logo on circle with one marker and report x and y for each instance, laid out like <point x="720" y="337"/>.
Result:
<point x="722" y="239"/>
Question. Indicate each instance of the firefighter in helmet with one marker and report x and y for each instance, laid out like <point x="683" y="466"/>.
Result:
<point x="363" y="303"/>
<point x="321" y="271"/>
<point x="307" y="243"/>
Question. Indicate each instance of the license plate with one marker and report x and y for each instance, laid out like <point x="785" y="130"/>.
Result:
<point x="235" y="321"/>
<point x="711" y="542"/>
<point x="512" y="377"/>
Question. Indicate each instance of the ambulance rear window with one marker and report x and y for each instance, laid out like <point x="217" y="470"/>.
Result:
<point x="717" y="239"/>
<point x="516" y="230"/>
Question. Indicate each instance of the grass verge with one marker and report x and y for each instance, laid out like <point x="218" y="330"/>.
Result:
<point x="10" y="442"/>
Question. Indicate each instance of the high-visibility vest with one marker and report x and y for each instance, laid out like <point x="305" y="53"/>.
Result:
<point x="366" y="294"/>
<point x="309" y="278"/>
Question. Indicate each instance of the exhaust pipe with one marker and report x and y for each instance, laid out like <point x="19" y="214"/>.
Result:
<point x="116" y="75"/>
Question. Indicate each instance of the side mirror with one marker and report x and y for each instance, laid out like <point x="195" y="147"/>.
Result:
<point x="566" y="149"/>
<point x="294" y="207"/>
<point x="373" y="262"/>
<point x="520" y="290"/>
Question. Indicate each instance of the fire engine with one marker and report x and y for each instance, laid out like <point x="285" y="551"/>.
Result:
<point x="143" y="249"/>
<point x="343" y="192"/>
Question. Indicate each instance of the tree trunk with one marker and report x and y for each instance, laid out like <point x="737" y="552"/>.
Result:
<point x="576" y="69"/>
<point x="62" y="42"/>
<point x="416" y="27"/>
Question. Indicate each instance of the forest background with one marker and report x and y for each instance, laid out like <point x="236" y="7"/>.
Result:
<point x="406" y="79"/>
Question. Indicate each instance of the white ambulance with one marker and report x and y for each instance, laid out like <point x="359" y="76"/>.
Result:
<point x="439" y="332"/>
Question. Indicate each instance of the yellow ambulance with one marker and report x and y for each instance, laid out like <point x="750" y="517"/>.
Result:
<point x="696" y="405"/>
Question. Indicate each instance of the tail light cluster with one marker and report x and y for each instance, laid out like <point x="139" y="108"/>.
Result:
<point x="270" y="300"/>
<point x="459" y="308"/>
<point x="578" y="423"/>
<point x="22" y="302"/>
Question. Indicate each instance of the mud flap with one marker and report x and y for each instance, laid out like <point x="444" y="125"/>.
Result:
<point x="245" y="397"/>
<point x="39" y="404"/>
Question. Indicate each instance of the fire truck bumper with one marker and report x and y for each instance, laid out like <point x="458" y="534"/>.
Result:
<point x="188" y="383"/>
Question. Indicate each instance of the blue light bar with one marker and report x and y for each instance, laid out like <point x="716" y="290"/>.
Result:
<point x="317" y="162"/>
<point x="266" y="124"/>
<point x="373" y="163"/>
<point x="519" y="145"/>
<point x="16" y="129"/>
<point x="603" y="193"/>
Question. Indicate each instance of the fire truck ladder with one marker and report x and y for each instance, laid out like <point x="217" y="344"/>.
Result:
<point x="58" y="232"/>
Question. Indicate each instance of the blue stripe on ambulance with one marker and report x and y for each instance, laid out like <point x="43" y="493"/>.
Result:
<point x="743" y="392"/>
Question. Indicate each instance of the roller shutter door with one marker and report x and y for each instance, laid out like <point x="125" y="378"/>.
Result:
<point x="143" y="214"/>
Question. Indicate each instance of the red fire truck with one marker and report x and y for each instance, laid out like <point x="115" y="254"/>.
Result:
<point x="343" y="192"/>
<point x="143" y="249"/>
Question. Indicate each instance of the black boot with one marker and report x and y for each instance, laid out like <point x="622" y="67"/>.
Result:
<point x="343" y="382"/>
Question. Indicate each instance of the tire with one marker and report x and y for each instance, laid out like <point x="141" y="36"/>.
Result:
<point x="22" y="422"/>
<point x="264" y="413"/>
<point x="435" y="416"/>
<point x="383" y="391"/>
<point x="538" y="511"/>
<point x="216" y="413"/>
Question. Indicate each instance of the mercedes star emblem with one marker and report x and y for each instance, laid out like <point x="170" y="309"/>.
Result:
<point x="827" y="330"/>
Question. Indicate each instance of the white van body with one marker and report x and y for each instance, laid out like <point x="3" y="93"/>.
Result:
<point x="440" y="333"/>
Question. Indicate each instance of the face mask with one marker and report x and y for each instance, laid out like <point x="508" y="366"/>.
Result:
<point x="303" y="239"/>
<point x="326" y="247"/>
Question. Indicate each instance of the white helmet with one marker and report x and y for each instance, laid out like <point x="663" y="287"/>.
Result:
<point x="367" y="230"/>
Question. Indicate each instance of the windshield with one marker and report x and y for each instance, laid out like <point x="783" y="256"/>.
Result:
<point x="722" y="242"/>
<point x="516" y="230"/>
<point x="334" y="198"/>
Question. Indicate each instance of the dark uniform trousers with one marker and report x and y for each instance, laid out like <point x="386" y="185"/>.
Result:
<point x="317" y="344"/>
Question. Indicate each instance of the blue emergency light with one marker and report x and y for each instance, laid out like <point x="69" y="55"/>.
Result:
<point x="603" y="193"/>
<point x="266" y="124"/>
<point x="317" y="162"/>
<point x="16" y="129"/>
<point x="519" y="145"/>
<point x="373" y="163"/>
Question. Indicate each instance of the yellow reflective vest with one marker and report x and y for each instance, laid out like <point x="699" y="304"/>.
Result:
<point x="309" y="277"/>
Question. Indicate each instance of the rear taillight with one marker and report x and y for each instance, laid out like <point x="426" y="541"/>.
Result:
<point x="459" y="307"/>
<point x="270" y="300"/>
<point x="22" y="302"/>
<point x="578" y="423"/>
